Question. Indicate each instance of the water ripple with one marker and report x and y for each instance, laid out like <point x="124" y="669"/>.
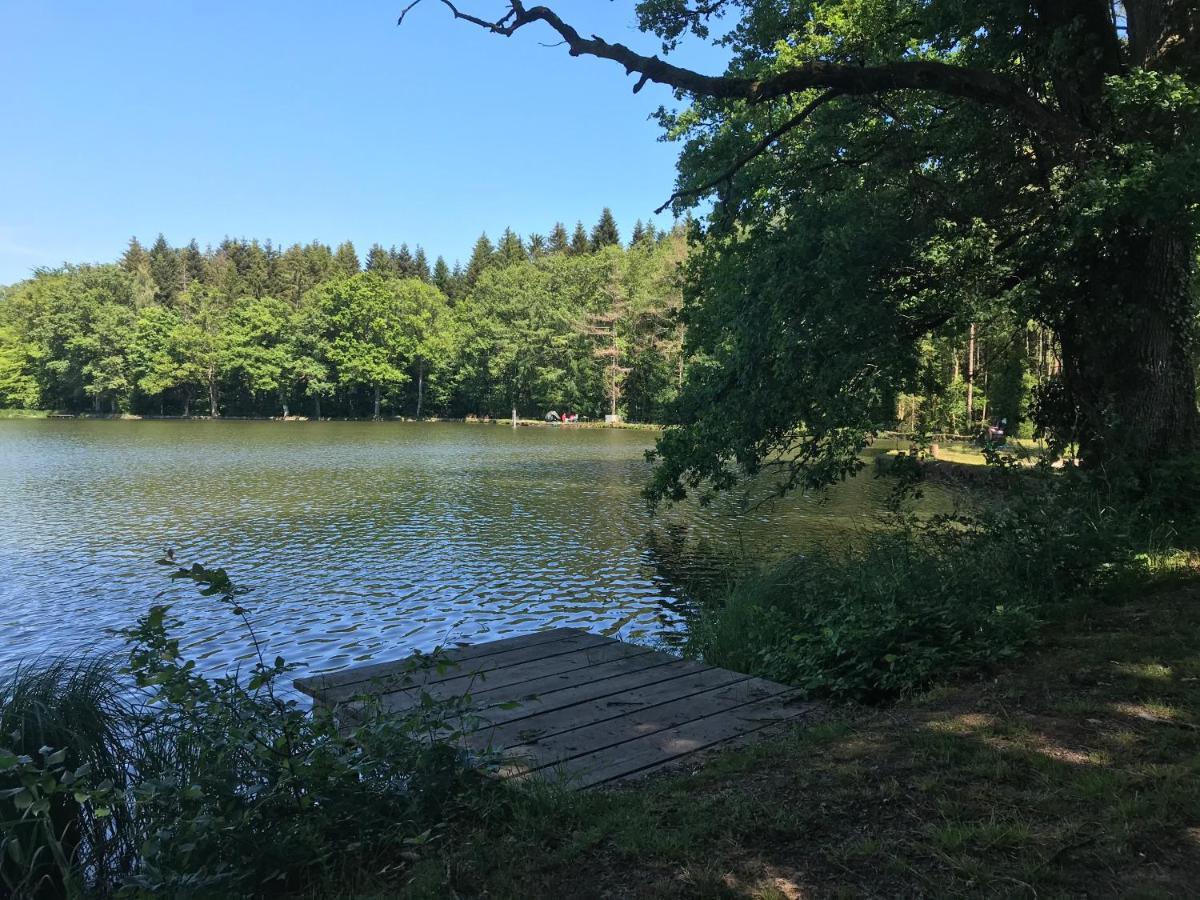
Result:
<point x="361" y="541"/>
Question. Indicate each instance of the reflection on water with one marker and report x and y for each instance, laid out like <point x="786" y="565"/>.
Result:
<point x="362" y="540"/>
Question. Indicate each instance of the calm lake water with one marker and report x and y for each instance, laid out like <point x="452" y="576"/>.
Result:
<point x="361" y="540"/>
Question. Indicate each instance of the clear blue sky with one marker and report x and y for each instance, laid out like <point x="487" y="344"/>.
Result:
<point x="306" y="120"/>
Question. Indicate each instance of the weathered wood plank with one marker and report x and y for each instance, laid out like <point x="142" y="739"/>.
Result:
<point x="588" y="708"/>
<point x="542" y="726"/>
<point x="588" y="739"/>
<point x="329" y="680"/>
<point x="642" y="755"/>
<point x="406" y="674"/>
<point x="396" y="698"/>
<point x="558" y="691"/>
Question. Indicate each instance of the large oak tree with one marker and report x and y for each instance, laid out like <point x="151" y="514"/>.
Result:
<point x="882" y="169"/>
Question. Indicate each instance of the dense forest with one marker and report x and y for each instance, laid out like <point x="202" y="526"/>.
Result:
<point x="570" y="321"/>
<point x="574" y="321"/>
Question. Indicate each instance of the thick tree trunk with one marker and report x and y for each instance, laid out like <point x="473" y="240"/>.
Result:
<point x="283" y="401"/>
<point x="375" y="414"/>
<point x="317" y="407"/>
<point x="1128" y="360"/>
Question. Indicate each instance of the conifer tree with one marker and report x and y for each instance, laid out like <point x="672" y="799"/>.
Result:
<point x="402" y="261"/>
<point x="318" y="262"/>
<point x="536" y="245"/>
<point x="421" y="265"/>
<point x="135" y="256"/>
<point x="167" y="271"/>
<point x="378" y="260"/>
<point x="441" y="276"/>
<point x="483" y="256"/>
<point x="254" y="269"/>
<point x="510" y="250"/>
<point x="560" y="242"/>
<point x="579" y="241"/>
<point x="192" y="262"/>
<point x="301" y="268"/>
<point x="272" y="284"/>
<point x="346" y="259"/>
<point x="605" y="234"/>
<point x="639" y="234"/>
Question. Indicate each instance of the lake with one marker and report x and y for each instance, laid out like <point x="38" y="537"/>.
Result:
<point x="362" y="540"/>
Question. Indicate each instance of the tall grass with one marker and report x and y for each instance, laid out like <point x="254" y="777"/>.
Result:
<point x="75" y="706"/>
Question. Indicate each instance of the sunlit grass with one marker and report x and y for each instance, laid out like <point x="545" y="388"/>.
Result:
<point x="24" y="413"/>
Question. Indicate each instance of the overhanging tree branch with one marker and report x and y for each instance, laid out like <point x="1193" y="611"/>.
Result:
<point x="757" y="150"/>
<point x="923" y="75"/>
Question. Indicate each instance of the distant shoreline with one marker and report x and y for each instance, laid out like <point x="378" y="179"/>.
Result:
<point x="14" y="414"/>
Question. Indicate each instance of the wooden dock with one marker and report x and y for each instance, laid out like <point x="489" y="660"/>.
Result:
<point x="570" y="704"/>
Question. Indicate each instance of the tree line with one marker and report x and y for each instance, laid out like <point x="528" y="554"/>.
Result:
<point x="569" y="320"/>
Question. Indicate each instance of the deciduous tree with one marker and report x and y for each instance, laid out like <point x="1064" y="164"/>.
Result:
<point x="857" y="150"/>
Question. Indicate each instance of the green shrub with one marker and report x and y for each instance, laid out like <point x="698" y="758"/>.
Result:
<point x="211" y="787"/>
<point x="868" y="623"/>
<point x="902" y="607"/>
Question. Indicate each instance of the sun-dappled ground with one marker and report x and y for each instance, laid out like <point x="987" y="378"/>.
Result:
<point x="1076" y="772"/>
<point x="971" y="454"/>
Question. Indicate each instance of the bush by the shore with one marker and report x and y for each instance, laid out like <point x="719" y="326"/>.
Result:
<point x="174" y="784"/>
<point x="922" y="600"/>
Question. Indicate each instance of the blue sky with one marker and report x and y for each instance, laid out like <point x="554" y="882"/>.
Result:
<point x="303" y="120"/>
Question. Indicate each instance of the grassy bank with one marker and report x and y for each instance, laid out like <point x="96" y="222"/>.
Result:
<point x="24" y="413"/>
<point x="1074" y="771"/>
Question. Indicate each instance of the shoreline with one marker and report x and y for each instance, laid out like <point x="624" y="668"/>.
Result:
<point x="24" y="414"/>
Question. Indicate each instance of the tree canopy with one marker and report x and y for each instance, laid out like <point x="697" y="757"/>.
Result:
<point x="247" y="329"/>
<point x="887" y="178"/>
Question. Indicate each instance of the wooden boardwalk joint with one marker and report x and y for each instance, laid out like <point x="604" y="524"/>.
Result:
<point x="566" y="703"/>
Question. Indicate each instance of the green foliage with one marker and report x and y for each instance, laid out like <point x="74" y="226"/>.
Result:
<point x="902" y="607"/>
<point x="18" y="387"/>
<point x="208" y="787"/>
<point x="605" y="232"/>
<point x="248" y="330"/>
<point x="845" y="265"/>
<point x="579" y="241"/>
